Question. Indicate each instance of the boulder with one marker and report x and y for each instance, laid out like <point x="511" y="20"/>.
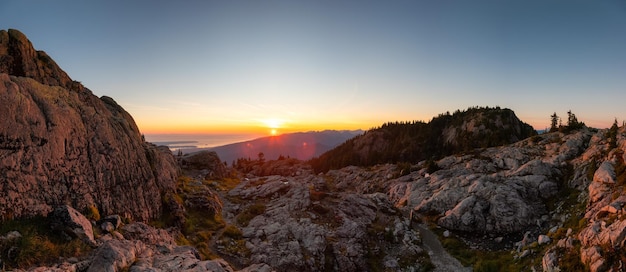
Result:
<point x="107" y="227"/>
<point x="550" y="262"/>
<point x="543" y="239"/>
<point x="204" y="199"/>
<point x="605" y="173"/>
<point x="597" y="191"/>
<point x="614" y="236"/>
<point x="72" y="223"/>
<point x="114" y="219"/>
<point x="148" y="235"/>
<point x="592" y="257"/>
<point x="205" y="160"/>
<point x="115" y="255"/>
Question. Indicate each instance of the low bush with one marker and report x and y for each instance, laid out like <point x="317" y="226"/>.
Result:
<point x="232" y="232"/>
<point x="251" y="212"/>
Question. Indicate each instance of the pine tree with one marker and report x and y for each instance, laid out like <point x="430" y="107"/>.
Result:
<point x="554" y="120"/>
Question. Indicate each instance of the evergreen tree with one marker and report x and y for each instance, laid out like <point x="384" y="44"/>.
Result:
<point x="261" y="157"/>
<point x="554" y="120"/>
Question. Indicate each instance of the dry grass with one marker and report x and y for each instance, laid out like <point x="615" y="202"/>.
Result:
<point x="38" y="246"/>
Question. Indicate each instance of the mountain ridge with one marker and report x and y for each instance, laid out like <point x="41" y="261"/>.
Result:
<point x="299" y="145"/>
<point x="446" y="134"/>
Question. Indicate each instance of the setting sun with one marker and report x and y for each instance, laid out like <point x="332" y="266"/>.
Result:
<point x="273" y="132"/>
<point x="273" y="123"/>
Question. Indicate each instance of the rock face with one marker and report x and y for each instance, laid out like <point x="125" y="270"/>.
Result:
<point x="60" y="144"/>
<point x="19" y="58"/>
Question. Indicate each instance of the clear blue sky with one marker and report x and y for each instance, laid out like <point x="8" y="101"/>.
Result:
<point x="244" y="66"/>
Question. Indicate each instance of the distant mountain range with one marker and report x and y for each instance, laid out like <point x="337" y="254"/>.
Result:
<point x="300" y="145"/>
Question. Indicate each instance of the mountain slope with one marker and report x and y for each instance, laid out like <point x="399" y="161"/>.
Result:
<point x="415" y="141"/>
<point x="301" y="145"/>
<point x="60" y="144"/>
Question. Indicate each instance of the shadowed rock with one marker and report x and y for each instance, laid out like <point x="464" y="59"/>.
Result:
<point x="60" y="146"/>
<point x="72" y="223"/>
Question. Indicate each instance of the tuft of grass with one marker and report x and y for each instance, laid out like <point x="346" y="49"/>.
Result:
<point x="232" y="232"/>
<point x="251" y="212"/>
<point x="92" y="213"/>
<point x="225" y="184"/>
<point x="233" y="242"/>
<point x="39" y="245"/>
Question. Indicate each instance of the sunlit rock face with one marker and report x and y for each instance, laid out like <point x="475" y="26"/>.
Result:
<point x="496" y="190"/>
<point x="60" y="144"/>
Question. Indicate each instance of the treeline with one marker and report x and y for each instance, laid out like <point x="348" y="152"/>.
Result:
<point x="556" y="123"/>
<point x="414" y="141"/>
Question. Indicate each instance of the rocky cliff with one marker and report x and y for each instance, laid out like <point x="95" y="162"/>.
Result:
<point x="60" y="144"/>
<point x="18" y="57"/>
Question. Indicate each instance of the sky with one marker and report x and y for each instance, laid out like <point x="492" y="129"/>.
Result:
<point x="255" y="66"/>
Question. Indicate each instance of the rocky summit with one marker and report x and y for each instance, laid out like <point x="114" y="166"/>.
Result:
<point x="80" y="190"/>
<point x="60" y="144"/>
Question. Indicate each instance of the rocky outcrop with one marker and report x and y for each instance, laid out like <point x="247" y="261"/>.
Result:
<point x="305" y="226"/>
<point x="207" y="161"/>
<point x="19" y="58"/>
<point x="498" y="190"/>
<point x="63" y="146"/>
<point x="143" y="248"/>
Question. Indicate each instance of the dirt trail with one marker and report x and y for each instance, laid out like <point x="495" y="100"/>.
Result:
<point x="443" y="261"/>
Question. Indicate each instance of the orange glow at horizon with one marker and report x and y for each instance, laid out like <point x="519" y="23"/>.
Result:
<point x="260" y="127"/>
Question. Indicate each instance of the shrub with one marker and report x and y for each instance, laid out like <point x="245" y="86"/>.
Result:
<point x="431" y="166"/>
<point x="404" y="168"/>
<point x="232" y="232"/>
